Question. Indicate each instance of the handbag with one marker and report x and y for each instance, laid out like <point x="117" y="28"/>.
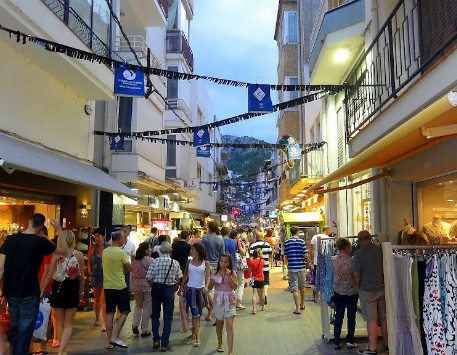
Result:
<point x="157" y="287"/>
<point x="5" y="319"/>
<point x="241" y="263"/>
<point x="252" y="279"/>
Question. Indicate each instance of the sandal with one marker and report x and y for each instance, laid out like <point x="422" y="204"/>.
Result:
<point x="240" y="308"/>
<point x="55" y="344"/>
<point x="220" y="349"/>
<point x="98" y="323"/>
<point x="296" y="312"/>
<point x="110" y="347"/>
<point x="145" y="334"/>
<point x="302" y="307"/>
<point x="253" y="312"/>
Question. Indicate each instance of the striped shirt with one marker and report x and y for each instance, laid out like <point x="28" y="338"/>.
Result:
<point x="159" y="268"/>
<point x="266" y="252"/>
<point x="295" y="250"/>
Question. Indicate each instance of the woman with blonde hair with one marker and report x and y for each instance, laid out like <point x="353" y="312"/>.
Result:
<point x="67" y="289"/>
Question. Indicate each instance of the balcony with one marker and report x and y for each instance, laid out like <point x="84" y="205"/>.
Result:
<point x="53" y="20"/>
<point x="407" y="47"/>
<point x="139" y="45"/>
<point x="336" y="40"/>
<point x="177" y="43"/>
<point x="313" y="171"/>
<point x="182" y="110"/>
<point x="138" y="14"/>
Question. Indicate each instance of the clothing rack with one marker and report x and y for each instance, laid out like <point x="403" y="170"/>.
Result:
<point x="389" y="282"/>
<point x="325" y="322"/>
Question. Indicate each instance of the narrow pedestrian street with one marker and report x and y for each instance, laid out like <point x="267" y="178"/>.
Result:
<point x="275" y="331"/>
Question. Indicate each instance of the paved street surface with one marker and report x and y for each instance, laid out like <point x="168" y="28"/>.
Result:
<point x="275" y="331"/>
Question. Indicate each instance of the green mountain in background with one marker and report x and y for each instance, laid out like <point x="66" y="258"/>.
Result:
<point x="243" y="161"/>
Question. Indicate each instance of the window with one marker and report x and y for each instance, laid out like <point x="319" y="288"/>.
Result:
<point x="172" y="85"/>
<point x="124" y="120"/>
<point x="291" y="95"/>
<point x="290" y="27"/>
<point x="199" y="174"/>
<point x="170" y="171"/>
<point x="210" y="186"/>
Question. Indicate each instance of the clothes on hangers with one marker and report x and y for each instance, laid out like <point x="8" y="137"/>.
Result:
<point x="408" y="339"/>
<point x="450" y="304"/>
<point x="433" y="323"/>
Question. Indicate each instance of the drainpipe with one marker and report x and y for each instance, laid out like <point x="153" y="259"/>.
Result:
<point x="374" y="9"/>
<point x="299" y="77"/>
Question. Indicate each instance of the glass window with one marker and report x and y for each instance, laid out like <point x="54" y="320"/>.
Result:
<point x="172" y="85"/>
<point x="437" y="208"/>
<point x="171" y="151"/>
<point x="293" y="94"/>
<point x="125" y="114"/>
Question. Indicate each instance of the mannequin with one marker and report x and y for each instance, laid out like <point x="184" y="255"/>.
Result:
<point x="437" y="231"/>
<point x="410" y="236"/>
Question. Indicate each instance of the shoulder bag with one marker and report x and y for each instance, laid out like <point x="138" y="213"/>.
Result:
<point x="157" y="287"/>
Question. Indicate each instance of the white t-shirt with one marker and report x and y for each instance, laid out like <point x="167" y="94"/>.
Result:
<point x="129" y="248"/>
<point x="323" y="244"/>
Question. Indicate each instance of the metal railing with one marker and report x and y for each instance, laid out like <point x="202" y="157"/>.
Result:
<point x="412" y="38"/>
<point x="177" y="43"/>
<point x="80" y="28"/>
<point x="326" y="5"/>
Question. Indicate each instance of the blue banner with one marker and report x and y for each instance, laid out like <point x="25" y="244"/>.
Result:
<point x="117" y="142"/>
<point x="128" y="82"/>
<point x="201" y="137"/>
<point x="259" y="99"/>
<point x="294" y="151"/>
<point x="204" y="152"/>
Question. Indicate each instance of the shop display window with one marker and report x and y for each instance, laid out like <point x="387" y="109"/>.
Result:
<point x="361" y="202"/>
<point x="437" y="208"/>
<point x="16" y="208"/>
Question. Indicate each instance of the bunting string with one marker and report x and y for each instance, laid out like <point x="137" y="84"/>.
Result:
<point x="92" y="57"/>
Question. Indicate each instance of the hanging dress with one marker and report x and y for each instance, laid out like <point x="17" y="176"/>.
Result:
<point x="408" y="339"/>
<point x="451" y="306"/>
<point x="433" y="324"/>
<point x="328" y="284"/>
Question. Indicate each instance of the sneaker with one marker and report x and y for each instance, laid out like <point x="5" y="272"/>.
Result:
<point x="385" y="348"/>
<point x="367" y="352"/>
<point x="337" y="346"/>
<point x="351" y="345"/>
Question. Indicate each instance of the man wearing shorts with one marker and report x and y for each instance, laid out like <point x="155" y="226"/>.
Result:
<point x="369" y="279"/>
<point x="295" y="256"/>
<point x="116" y="264"/>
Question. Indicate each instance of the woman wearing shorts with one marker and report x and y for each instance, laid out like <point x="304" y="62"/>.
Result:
<point x="255" y="265"/>
<point x="224" y="281"/>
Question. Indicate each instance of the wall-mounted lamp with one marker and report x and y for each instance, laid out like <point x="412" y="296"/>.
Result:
<point x="84" y="210"/>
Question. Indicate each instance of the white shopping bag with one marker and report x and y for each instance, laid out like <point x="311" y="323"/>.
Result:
<point x="41" y="325"/>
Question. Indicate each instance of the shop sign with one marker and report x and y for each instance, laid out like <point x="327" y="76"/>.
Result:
<point x="153" y="201"/>
<point x="166" y="203"/>
<point x="294" y="173"/>
<point x="128" y="82"/>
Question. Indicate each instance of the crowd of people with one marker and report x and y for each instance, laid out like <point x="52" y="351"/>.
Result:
<point x="199" y="272"/>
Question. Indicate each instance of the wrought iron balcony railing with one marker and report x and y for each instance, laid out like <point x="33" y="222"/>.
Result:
<point x="413" y="37"/>
<point x="81" y="28"/>
<point x="177" y="43"/>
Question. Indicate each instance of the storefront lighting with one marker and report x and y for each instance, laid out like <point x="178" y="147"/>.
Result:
<point x="450" y="200"/>
<point x="452" y="97"/>
<point x="341" y="55"/>
<point x="300" y="194"/>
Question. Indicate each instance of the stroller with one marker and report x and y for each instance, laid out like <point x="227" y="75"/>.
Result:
<point x="277" y="256"/>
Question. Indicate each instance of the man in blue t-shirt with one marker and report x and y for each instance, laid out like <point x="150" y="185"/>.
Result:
<point x="295" y="252"/>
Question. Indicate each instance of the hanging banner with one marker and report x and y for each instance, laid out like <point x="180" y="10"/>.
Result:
<point x="201" y="137"/>
<point x="259" y="99"/>
<point x="294" y="152"/>
<point x="128" y="82"/>
<point x="294" y="173"/>
<point x="117" y="142"/>
<point x="214" y="187"/>
<point x="204" y="152"/>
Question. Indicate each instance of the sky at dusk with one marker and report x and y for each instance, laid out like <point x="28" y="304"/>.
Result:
<point x="233" y="39"/>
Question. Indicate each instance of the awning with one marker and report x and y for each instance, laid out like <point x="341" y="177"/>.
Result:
<point x="403" y="142"/>
<point x="19" y="155"/>
<point x="302" y="217"/>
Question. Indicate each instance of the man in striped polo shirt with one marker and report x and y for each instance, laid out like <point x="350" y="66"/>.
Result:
<point x="266" y="252"/>
<point x="295" y="254"/>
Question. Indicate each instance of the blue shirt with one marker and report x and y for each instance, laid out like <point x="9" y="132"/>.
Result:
<point x="295" y="250"/>
<point x="230" y="247"/>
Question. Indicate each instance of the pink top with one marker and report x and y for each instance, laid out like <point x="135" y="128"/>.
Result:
<point x="139" y="270"/>
<point x="224" y="285"/>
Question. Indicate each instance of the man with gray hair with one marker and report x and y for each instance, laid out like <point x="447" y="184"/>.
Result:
<point x="116" y="264"/>
<point x="163" y="273"/>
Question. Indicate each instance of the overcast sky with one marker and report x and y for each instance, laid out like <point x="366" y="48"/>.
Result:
<point x="233" y="39"/>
